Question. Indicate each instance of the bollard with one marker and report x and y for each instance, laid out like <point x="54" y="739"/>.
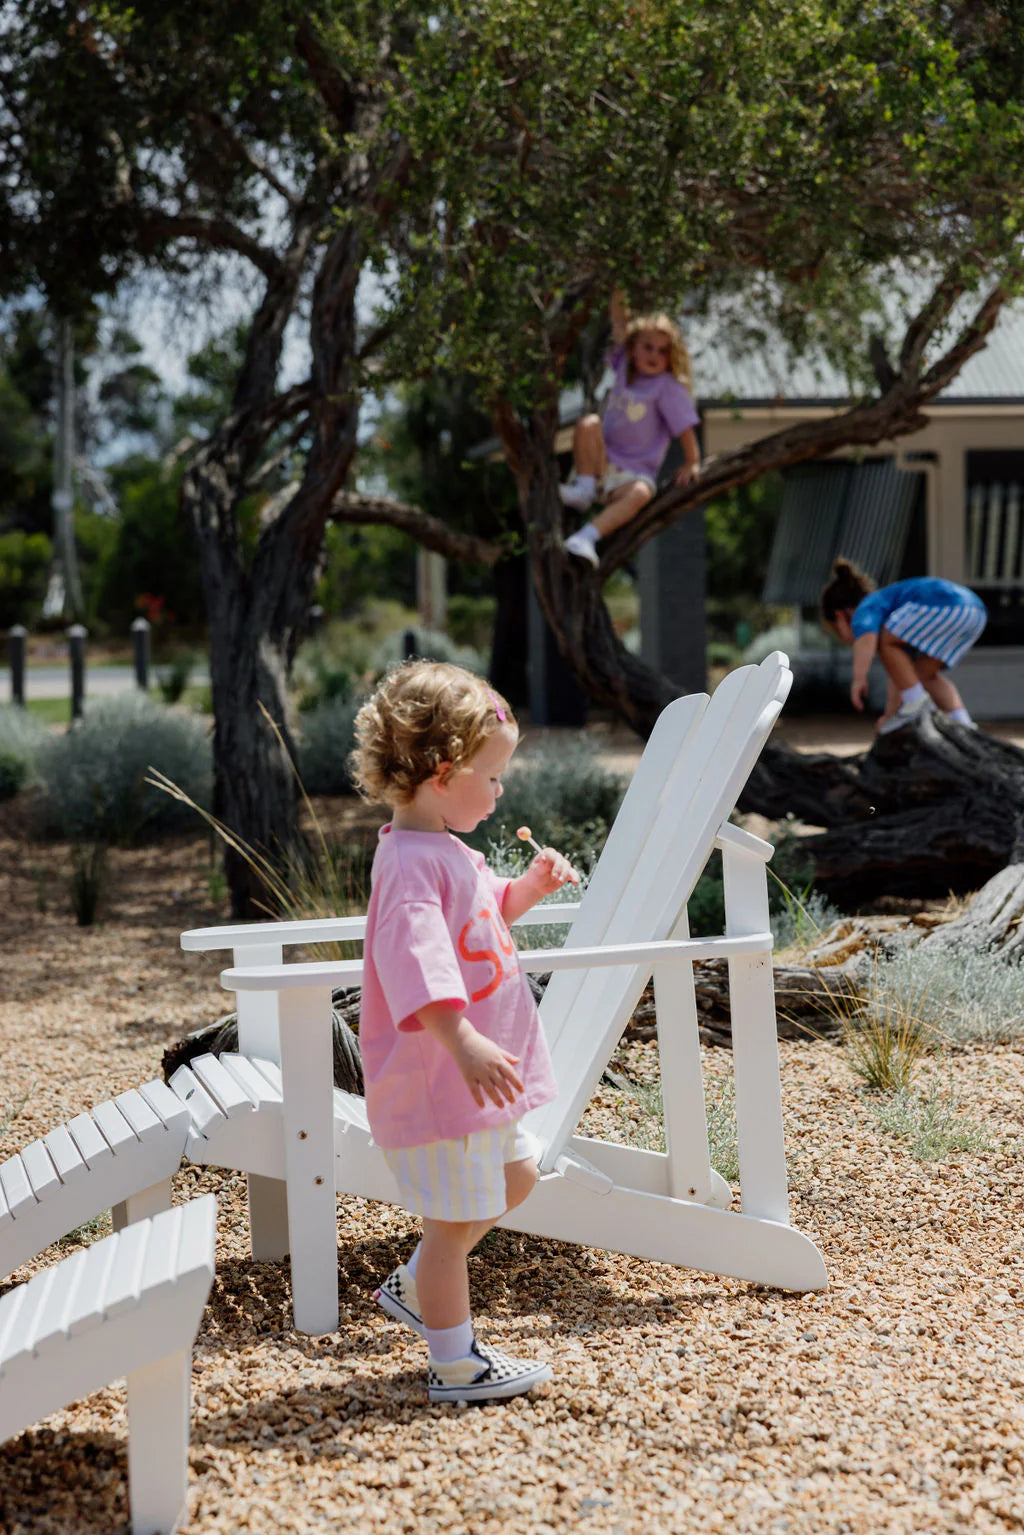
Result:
<point x="16" y="638"/>
<point x="140" y="651"/>
<point x="77" y="636"/>
<point x="409" y="643"/>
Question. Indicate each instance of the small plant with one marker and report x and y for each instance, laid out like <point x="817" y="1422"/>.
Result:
<point x="643" y="1122"/>
<point x="328" y="736"/>
<point x="931" y="1122"/>
<point x="13" y="1109"/>
<point x="88" y="877"/>
<point x="13" y="775"/>
<point x="885" y="1035"/>
<point x="801" y="919"/>
<point x="88" y="1232"/>
<point x="970" y="995"/>
<point x="22" y="737"/>
<point x="216" y="885"/>
<point x="173" y="677"/>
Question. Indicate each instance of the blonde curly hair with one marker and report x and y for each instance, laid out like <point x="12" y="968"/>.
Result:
<point x="422" y="715"/>
<point x="679" y="362"/>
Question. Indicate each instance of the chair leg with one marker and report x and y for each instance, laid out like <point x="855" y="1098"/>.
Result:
<point x="268" y="1218"/>
<point x="141" y="1205"/>
<point x="158" y="1433"/>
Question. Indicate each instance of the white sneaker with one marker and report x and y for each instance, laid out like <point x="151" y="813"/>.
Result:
<point x="582" y="547"/>
<point x="577" y="496"/>
<point x="905" y="713"/>
<point x="485" y="1375"/>
<point x="398" y="1297"/>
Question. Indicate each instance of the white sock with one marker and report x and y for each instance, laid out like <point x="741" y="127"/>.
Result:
<point x="411" y="1263"/>
<point x="961" y="716"/>
<point x="589" y="532"/>
<point x="448" y="1343"/>
<point x="912" y="695"/>
<point x="586" y="482"/>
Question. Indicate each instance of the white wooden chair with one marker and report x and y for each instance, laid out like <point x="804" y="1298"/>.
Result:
<point x="272" y="1110"/>
<point x="121" y="1154"/>
<point x="129" y="1305"/>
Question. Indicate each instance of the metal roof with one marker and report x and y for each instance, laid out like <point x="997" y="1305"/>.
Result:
<point x="861" y="511"/>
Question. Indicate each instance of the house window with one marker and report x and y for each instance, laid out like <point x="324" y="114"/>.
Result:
<point x="995" y="541"/>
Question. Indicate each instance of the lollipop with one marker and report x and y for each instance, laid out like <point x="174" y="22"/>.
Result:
<point x="526" y="835"/>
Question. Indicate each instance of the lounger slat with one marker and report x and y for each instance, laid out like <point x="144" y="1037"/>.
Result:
<point x="117" y="1132"/>
<point x="139" y="1115"/>
<point x="11" y="1306"/>
<point x="228" y="1094"/>
<point x="16" y="1185"/>
<point x="67" y="1158"/>
<point x="85" y="1310"/>
<point x="197" y="1236"/>
<point x="93" y="1146"/>
<point x="124" y="1283"/>
<point x="50" y="1319"/>
<point x="38" y="1164"/>
<point x="19" y="1343"/>
<point x="270" y="1071"/>
<point x="204" y="1112"/>
<point x="261" y="1093"/>
<point x="170" y="1110"/>
<point x="161" y="1261"/>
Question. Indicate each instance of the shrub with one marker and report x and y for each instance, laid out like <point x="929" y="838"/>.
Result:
<point x="22" y="738"/>
<point x="93" y="776"/>
<point x="967" y="995"/>
<point x="931" y="1123"/>
<point x="13" y="773"/>
<point x="173" y="677"/>
<point x="328" y="737"/>
<point x="431" y="645"/>
<point x="88" y="877"/>
<point x="471" y="620"/>
<point x="510" y="857"/>
<point x="885" y="1034"/>
<point x="565" y="794"/>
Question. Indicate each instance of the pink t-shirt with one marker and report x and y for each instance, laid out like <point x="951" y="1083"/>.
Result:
<point x="641" y="418"/>
<point x="435" y="933"/>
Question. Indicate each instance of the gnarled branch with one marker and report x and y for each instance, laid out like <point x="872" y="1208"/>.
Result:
<point x="429" y="531"/>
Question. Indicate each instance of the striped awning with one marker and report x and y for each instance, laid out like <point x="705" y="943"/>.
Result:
<point x="860" y="511"/>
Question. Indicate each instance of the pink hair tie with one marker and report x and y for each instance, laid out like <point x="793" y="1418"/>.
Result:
<point x="499" y="711"/>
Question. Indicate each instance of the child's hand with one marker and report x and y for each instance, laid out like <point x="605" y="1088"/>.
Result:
<point x="487" y="1069"/>
<point x="687" y="474"/>
<point x="550" y="870"/>
<point x="858" y="693"/>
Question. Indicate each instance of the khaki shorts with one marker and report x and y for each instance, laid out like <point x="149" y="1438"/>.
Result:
<point x="460" y="1180"/>
<point x="614" y="478"/>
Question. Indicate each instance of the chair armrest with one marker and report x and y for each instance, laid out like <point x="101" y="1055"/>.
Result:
<point x="255" y="934"/>
<point x="730" y="836"/>
<point x="346" y="972"/>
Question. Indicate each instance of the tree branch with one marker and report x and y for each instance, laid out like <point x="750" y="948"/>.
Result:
<point x="429" y="531"/>
<point x="218" y="233"/>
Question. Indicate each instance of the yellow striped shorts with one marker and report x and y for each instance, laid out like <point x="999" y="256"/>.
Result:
<point x="463" y="1179"/>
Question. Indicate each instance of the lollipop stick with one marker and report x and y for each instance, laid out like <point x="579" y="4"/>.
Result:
<point x="525" y="835"/>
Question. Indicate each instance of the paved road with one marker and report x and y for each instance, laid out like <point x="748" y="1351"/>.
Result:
<point x="100" y="681"/>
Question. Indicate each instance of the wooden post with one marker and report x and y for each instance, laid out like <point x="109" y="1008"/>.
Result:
<point x="140" y="651"/>
<point x="16" y="638"/>
<point x="77" y="636"/>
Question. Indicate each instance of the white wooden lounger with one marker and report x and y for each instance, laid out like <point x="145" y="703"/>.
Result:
<point x="272" y="1110"/>
<point x="129" y="1305"/>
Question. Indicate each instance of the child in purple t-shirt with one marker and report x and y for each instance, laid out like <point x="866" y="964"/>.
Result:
<point x="617" y="457"/>
<point x="452" y="1047"/>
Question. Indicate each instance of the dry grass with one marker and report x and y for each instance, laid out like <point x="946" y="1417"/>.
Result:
<point x="681" y="1402"/>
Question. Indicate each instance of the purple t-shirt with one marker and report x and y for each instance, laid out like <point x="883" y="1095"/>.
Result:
<point x="640" y="419"/>
<point x="435" y="933"/>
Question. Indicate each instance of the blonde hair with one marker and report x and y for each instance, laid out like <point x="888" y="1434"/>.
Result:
<point x="679" y="363"/>
<point x="849" y="586"/>
<point x="422" y="715"/>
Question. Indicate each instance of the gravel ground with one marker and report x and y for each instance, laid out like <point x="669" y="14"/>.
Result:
<point x="680" y="1402"/>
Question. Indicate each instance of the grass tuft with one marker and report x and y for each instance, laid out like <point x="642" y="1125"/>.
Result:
<point x="931" y="1122"/>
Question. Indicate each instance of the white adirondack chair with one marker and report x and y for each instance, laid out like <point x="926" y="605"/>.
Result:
<point x="121" y="1154"/>
<point x="129" y="1305"/>
<point x="272" y="1110"/>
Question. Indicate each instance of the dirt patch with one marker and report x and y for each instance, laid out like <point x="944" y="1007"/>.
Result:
<point x="680" y="1401"/>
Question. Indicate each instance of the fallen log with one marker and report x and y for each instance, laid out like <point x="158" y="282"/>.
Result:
<point x="931" y="809"/>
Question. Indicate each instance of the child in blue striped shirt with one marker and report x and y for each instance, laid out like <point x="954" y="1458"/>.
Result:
<point x="917" y="628"/>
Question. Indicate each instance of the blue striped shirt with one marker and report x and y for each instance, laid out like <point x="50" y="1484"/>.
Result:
<point x="929" y="614"/>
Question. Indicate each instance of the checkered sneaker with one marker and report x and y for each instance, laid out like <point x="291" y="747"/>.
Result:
<point x="398" y="1297"/>
<point x="485" y="1375"/>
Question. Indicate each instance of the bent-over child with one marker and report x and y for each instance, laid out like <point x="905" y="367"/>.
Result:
<point x="917" y="628"/>
<point x="453" y="1049"/>
<point x="617" y="456"/>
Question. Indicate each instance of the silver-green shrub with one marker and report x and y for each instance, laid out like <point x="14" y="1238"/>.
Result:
<point x="93" y="776"/>
<point x="22" y="738"/>
<point x="328" y="736"/>
<point x="510" y="858"/>
<point x="564" y="793"/>
<point x="429" y="645"/>
<point x="966" y="994"/>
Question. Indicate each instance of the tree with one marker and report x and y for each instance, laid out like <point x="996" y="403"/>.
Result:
<point x="824" y="161"/>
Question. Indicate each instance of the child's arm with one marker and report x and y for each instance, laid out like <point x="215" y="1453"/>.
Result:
<point x="618" y="312"/>
<point x="864" y="647"/>
<point x="486" y="1068"/>
<point x="689" y="469"/>
<point x="548" y="872"/>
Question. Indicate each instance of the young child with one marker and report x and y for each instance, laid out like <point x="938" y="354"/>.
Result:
<point x="917" y="627"/>
<point x="618" y="458"/>
<point x="453" y="1050"/>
